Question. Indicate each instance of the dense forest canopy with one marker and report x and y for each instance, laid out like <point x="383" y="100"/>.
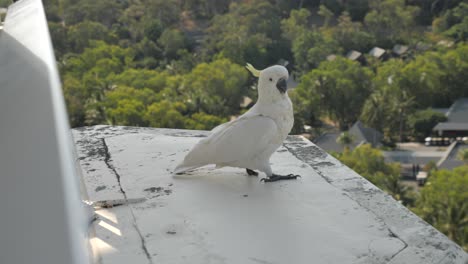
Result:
<point x="179" y="63"/>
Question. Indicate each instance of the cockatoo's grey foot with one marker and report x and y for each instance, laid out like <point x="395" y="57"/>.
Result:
<point x="252" y="172"/>
<point x="276" y="177"/>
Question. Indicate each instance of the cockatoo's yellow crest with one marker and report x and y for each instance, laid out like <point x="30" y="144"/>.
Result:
<point x="254" y="71"/>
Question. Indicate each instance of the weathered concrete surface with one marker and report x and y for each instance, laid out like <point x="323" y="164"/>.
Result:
<point x="330" y="215"/>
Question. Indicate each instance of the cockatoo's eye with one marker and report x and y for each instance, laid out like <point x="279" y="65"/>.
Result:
<point x="271" y="79"/>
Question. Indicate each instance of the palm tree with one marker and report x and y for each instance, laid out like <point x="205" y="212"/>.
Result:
<point x="345" y="139"/>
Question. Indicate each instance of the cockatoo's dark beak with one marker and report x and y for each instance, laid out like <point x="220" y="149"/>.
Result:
<point x="282" y="85"/>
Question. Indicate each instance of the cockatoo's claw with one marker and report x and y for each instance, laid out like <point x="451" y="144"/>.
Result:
<point x="275" y="177"/>
<point x="251" y="172"/>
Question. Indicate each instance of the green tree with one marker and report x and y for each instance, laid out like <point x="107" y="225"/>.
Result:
<point x="422" y="122"/>
<point x="126" y="105"/>
<point x="442" y="203"/>
<point x="295" y="25"/>
<point x="390" y="21"/>
<point x="309" y="46"/>
<point x="165" y="114"/>
<point x="76" y="99"/>
<point x="93" y="68"/>
<point x="351" y="35"/>
<point x="215" y="88"/>
<point x="326" y="14"/>
<point x="142" y="78"/>
<point x="250" y="31"/>
<point x="345" y="139"/>
<point x="336" y="82"/>
<point x="106" y="12"/>
<point x="80" y="34"/>
<point x="58" y="33"/>
<point x="207" y="8"/>
<point x="203" y="121"/>
<point x="357" y="9"/>
<point x="306" y="109"/>
<point x="454" y="23"/>
<point x="166" y="11"/>
<point x="171" y="41"/>
<point x="454" y="65"/>
<point x="369" y="163"/>
<point x="463" y="155"/>
<point x="375" y="111"/>
<point x="393" y="99"/>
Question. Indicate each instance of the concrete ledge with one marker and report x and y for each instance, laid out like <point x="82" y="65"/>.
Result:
<point x="330" y="215"/>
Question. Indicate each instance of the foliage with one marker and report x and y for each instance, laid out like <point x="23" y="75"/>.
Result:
<point x="5" y="3"/>
<point x="370" y="164"/>
<point x="80" y="35"/>
<point x="309" y="47"/>
<point x="150" y="44"/>
<point x="463" y="155"/>
<point x="215" y="88"/>
<point x="248" y="32"/>
<point x="430" y="167"/>
<point x="172" y="40"/>
<point x="442" y="203"/>
<point x="345" y="139"/>
<point x="166" y="114"/>
<point x="335" y="82"/>
<point x="352" y="35"/>
<point x="421" y="122"/>
<point x="454" y="23"/>
<point x="390" y="21"/>
<point x="387" y="108"/>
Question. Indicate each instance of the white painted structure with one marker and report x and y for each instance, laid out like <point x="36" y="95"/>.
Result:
<point x="42" y="219"/>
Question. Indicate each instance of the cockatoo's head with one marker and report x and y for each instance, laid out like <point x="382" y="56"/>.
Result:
<point x="272" y="81"/>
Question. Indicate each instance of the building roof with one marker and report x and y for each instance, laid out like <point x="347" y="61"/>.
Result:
<point x="458" y="112"/>
<point x="400" y="49"/>
<point x="450" y="126"/>
<point x="367" y="134"/>
<point x="457" y="117"/>
<point x="331" y="57"/>
<point x="377" y="52"/>
<point x="353" y="55"/>
<point x="446" y="43"/>
<point x="330" y="215"/>
<point x="360" y="134"/>
<point x="328" y="142"/>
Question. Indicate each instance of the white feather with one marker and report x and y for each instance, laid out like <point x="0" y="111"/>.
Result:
<point x="239" y="143"/>
<point x="250" y="140"/>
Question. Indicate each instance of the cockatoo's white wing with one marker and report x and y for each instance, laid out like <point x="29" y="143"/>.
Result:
<point x="243" y="139"/>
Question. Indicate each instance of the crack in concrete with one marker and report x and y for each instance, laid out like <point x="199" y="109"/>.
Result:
<point x="393" y="234"/>
<point x="107" y="158"/>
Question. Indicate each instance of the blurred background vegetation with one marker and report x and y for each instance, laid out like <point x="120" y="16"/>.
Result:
<point x="179" y="64"/>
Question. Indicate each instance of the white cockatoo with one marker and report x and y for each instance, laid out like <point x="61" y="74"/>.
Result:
<point x="250" y="140"/>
